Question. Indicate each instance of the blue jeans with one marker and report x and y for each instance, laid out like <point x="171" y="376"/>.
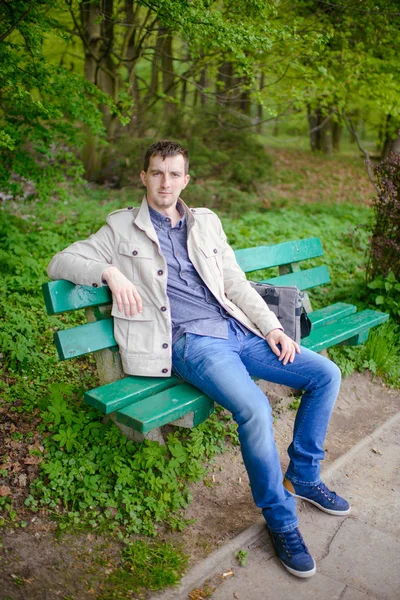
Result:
<point x="222" y="369"/>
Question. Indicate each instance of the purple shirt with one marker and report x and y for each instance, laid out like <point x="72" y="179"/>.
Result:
<point x="193" y="307"/>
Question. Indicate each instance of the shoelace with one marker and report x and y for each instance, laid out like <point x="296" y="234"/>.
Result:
<point x="331" y="496"/>
<point x="293" y="542"/>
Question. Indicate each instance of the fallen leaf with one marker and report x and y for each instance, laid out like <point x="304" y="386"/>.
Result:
<point x="228" y="573"/>
<point x="33" y="460"/>
<point x="376" y="451"/>
<point x="4" y="490"/>
<point x="22" y="480"/>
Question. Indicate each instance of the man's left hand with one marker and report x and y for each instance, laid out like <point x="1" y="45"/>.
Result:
<point x="288" y="347"/>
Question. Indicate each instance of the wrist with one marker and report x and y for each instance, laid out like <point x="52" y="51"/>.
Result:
<point x="108" y="272"/>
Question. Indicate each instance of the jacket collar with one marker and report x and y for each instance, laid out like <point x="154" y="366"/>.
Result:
<point x="143" y="219"/>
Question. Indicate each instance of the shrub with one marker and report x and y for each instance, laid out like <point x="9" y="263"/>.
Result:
<point x="385" y="242"/>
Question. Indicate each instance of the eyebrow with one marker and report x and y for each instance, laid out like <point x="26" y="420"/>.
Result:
<point x="160" y="171"/>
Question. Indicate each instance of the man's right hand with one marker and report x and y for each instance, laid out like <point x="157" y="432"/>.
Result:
<point x="126" y="294"/>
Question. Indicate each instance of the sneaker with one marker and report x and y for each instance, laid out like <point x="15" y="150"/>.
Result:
<point x="293" y="553"/>
<point x="320" y="496"/>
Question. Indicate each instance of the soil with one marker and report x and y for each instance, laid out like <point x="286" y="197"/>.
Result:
<point x="37" y="566"/>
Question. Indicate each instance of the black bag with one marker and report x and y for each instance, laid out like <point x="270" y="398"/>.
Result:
<point x="287" y="304"/>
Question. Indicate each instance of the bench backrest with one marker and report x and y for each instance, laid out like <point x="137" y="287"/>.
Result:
<point x="63" y="296"/>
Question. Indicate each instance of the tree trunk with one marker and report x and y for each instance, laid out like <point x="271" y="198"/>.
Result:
<point x="260" y="109"/>
<point x="392" y="139"/>
<point x="326" y="132"/>
<point x="203" y="83"/>
<point x="99" y="68"/>
<point x="321" y="130"/>
<point x="224" y="82"/>
<point x="313" y="119"/>
<point x="168" y="75"/>
<point x="336" y="135"/>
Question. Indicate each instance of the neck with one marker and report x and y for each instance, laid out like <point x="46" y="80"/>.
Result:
<point x="168" y="211"/>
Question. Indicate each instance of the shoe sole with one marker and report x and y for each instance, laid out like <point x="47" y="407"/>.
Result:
<point x="302" y="574"/>
<point x="338" y="513"/>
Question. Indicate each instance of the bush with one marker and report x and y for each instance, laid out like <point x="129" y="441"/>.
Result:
<point x="385" y="242"/>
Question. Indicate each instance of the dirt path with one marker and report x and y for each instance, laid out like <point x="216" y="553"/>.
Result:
<point x="35" y="566"/>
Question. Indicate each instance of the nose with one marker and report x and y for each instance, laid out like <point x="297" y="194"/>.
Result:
<point x="165" y="180"/>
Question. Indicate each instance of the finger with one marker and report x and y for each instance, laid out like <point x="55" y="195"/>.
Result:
<point x="119" y="302"/>
<point x="132" y="302"/>
<point x="292" y="353"/>
<point x="138" y="299"/>
<point x="297" y="348"/>
<point x="274" y="347"/>
<point x="284" y="350"/>
<point x="126" y="304"/>
<point x="287" y="356"/>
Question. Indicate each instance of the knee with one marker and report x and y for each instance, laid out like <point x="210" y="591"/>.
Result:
<point x="331" y="375"/>
<point x="254" y="413"/>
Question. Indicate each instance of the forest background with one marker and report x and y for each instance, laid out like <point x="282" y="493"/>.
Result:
<point x="287" y="108"/>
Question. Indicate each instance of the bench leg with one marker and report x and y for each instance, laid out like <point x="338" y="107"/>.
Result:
<point x="132" y="435"/>
<point x="358" y="339"/>
<point x="194" y="418"/>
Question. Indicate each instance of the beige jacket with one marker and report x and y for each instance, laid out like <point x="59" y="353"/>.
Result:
<point x="129" y="241"/>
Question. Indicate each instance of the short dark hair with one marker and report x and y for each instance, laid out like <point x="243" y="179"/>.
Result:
<point x="166" y="148"/>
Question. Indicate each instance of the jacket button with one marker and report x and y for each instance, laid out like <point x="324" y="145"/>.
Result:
<point x="215" y="251"/>
<point x="165" y="345"/>
<point x="160" y="272"/>
<point x="95" y="285"/>
<point x="134" y="252"/>
<point x="163" y="308"/>
<point x="164" y="371"/>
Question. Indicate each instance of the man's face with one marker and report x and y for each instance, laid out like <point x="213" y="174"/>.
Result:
<point x="164" y="181"/>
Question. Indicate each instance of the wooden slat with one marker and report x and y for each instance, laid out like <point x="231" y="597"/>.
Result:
<point x="84" y="339"/>
<point x="62" y="296"/>
<point x="119" y="394"/>
<point x="303" y="279"/>
<point x="263" y="257"/>
<point x="340" y="331"/>
<point x="330" y="314"/>
<point x="164" y="407"/>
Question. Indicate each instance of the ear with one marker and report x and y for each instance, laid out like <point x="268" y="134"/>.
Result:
<point x="187" y="179"/>
<point x="143" y="177"/>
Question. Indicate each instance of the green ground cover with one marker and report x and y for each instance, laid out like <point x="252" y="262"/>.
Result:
<point x="87" y="475"/>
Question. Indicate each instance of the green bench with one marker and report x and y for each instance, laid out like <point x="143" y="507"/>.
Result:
<point x="141" y="405"/>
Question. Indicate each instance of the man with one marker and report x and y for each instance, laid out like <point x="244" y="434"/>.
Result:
<point x="181" y="303"/>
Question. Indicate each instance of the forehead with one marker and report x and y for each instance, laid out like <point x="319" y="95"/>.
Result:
<point x="169" y="163"/>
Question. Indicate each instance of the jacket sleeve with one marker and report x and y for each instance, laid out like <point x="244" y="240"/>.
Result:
<point x="239" y="291"/>
<point x="84" y="261"/>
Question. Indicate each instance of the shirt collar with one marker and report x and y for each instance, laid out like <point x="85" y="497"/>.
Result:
<point x="162" y="222"/>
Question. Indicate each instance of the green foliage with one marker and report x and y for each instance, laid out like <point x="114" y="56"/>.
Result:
<point x="8" y="515"/>
<point x="103" y="481"/>
<point x="46" y="110"/>
<point x="380" y="355"/>
<point x="241" y="556"/>
<point x="145" y="565"/>
<point x="386" y="294"/>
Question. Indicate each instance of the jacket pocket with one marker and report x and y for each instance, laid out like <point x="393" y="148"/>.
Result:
<point x="213" y="256"/>
<point x="135" y="334"/>
<point x="138" y="259"/>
